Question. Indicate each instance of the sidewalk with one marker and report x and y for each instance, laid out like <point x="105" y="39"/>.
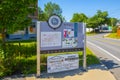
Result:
<point x="95" y="72"/>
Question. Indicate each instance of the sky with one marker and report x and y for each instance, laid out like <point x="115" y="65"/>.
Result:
<point x="88" y="7"/>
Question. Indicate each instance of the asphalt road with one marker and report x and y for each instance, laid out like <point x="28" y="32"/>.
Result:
<point x="107" y="50"/>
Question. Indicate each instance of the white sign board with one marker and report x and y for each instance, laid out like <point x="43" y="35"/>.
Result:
<point x="50" y="39"/>
<point x="62" y="63"/>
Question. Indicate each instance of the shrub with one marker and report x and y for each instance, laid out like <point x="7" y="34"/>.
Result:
<point x="21" y="59"/>
<point x="114" y="29"/>
<point x="16" y="60"/>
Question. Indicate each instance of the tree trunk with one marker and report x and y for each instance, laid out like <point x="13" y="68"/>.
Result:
<point x="3" y="41"/>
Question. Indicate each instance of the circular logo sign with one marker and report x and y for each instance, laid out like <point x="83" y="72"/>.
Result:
<point x="54" y="21"/>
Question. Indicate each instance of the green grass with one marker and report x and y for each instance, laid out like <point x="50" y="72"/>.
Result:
<point x="26" y="44"/>
<point x="25" y="62"/>
<point x="91" y="59"/>
<point x="91" y="33"/>
<point x="113" y="35"/>
<point x="21" y="41"/>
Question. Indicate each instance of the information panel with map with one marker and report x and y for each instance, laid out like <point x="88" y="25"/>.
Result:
<point x="66" y="38"/>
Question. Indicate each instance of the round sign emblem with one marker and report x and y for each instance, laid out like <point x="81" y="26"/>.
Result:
<point x="54" y="21"/>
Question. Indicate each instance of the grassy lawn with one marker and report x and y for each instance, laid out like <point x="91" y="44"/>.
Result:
<point x="91" y="59"/>
<point x="90" y="33"/>
<point x="25" y="62"/>
<point x="113" y="35"/>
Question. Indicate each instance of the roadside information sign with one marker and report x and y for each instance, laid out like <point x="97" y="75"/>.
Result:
<point x="56" y="36"/>
<point x="62" y="63"/>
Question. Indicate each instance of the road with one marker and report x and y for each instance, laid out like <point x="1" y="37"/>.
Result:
<point x="107" y="50"/>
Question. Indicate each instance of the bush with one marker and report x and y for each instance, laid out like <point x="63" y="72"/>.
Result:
<point x="16" y="59"/>
<point x="1" y="62"/>
<point x="21" y="59"/>
<point x="114" y="29"/>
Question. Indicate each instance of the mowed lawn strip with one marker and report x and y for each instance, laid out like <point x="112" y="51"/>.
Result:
<point x="91" y="58"/>
<point x="113" y="35"/>
<point x="26" y="62"/>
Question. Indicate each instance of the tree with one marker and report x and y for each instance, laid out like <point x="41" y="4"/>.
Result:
<point x="112" y="21"/>
<point x="14" y="15"/>
<point x="102" y="16"/>
<point x="98" y="19"/>
<point x="79" y="17"/>
<point x="53" y="8"/>
<point x="93" y="22"/>
<point x="42" y="15"/>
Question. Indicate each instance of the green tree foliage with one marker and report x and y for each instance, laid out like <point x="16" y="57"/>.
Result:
<point x="102" y="16"/>
<point x="52" y="8"/>
<point x="112" y="21"/>
<point x="42" y="15"/>
<point x="98" y="19"/>
<point x="14" y="16"/>
<point x="79" y="17"/>
<point x="92" y="22"/>
<point x="114" y="29"/>
<point x="13" y="13"/>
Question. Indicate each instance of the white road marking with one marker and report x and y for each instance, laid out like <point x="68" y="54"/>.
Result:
<point x="104" y="51"/>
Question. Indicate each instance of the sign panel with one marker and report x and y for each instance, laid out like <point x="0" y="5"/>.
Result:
<point x="66" y="37"/>
<point x="69" y="36"/>
<point x="62" y="63"/>
<point x="50" y="39"/>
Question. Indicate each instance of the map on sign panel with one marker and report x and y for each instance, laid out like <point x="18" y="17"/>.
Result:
<point x="49" y="39"/>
